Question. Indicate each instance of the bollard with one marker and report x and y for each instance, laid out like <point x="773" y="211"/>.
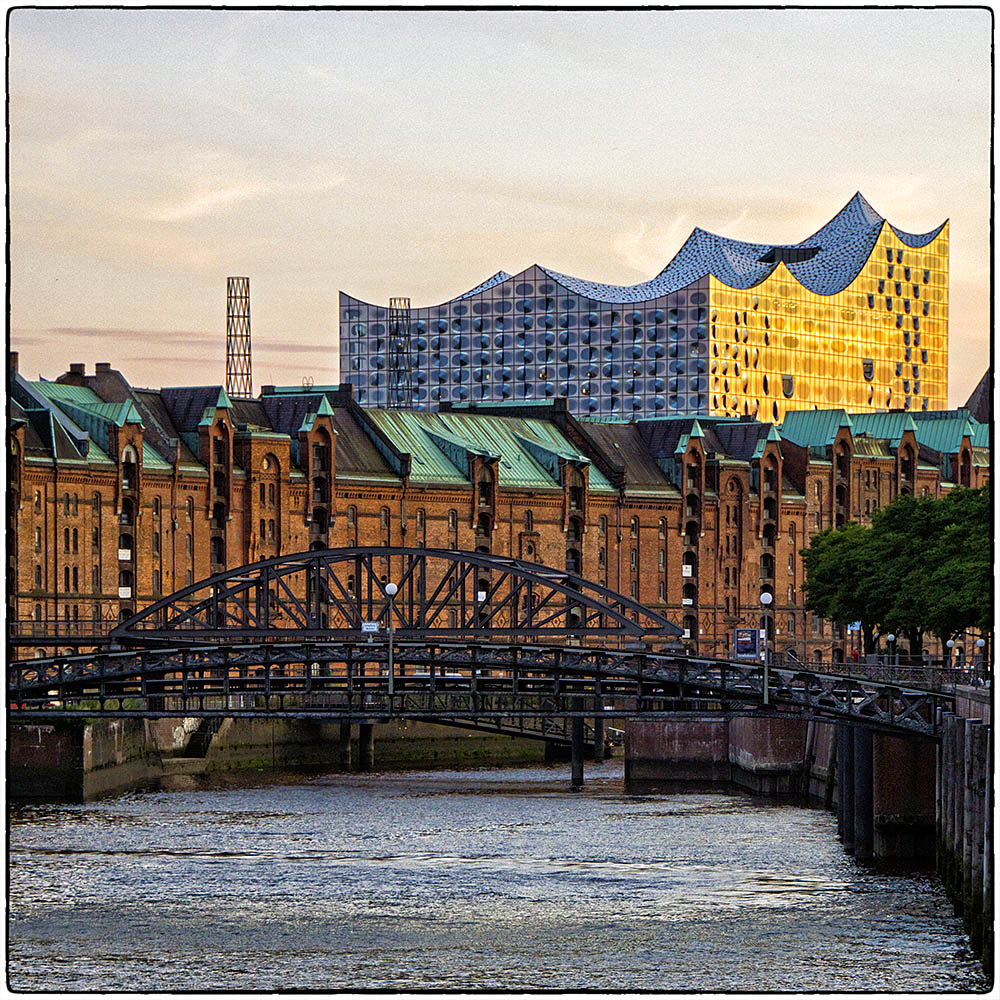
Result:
<point x="345" y="745"/>
<point x="366" y="746"/>
<point x="864" y="819"/>
<point x="847" y="790"/>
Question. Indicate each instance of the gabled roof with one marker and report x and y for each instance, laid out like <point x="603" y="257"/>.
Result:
<point x="522" y="445"/>
<point x="187" y="404"/>
<point x="357" y="456"/>
<point x="815" y="428"/>
<point x="891" y="426"/>
<point x="624" y="443"/>
<point x="943" y="430"/>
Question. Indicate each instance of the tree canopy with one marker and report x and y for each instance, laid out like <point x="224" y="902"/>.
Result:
<point x="923" y="566"/>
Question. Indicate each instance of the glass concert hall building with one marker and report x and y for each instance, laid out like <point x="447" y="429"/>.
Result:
<point x="855" y="316"/>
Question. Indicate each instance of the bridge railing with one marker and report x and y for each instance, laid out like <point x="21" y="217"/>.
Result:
<point x="935" y="675"/>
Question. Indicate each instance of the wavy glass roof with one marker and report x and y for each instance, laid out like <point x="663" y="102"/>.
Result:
<point x="825" y="263"/>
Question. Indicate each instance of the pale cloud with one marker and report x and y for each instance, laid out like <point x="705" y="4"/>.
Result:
<point x="206" y="203"/>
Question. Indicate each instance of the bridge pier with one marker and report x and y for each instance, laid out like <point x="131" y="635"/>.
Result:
<point x="576" y="748"/>
<point x="846" y="793"/>
<point x="598" y="738"/>
<point x="345" y="745"/>
<point x="864" y="817"/>
<point x="366" y="746"/>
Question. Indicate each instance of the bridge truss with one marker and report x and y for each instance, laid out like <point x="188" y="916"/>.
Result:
<point x="330" y="593"/>
<point x="509" y="687"/>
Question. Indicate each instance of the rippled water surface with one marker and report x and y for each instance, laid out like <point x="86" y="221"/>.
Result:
<point x="465" y="879"/>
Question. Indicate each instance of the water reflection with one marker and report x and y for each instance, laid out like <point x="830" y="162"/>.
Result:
<point x="463" y="880"/>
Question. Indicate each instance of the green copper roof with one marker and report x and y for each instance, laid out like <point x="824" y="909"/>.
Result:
<point x="413" y="432"/>
<point x="814" y="428"/>
<point x="696" y="431"/>
<point x="943" y="431"/>
<point x="890" y="426"/>
<point x="60" y="393"/>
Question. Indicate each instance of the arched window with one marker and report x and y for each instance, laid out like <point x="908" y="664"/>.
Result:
<point x="663" y="527"/>
<point x="156" y="543"/>
<point x="156" y="581"/>
<point x="156" y="506"/>
<point x="263" y="493"/>
<point x="66" y="504"/>
<point x="76" y="541"/>
<point x="270" y="530"/>
<point x="452" y="519"/>
<point x="65" y="539"/>
<point x="189" y="508"/>
<point x="529" y="521"/>
<point x="602" y="526"/>
<point x="634" y="527"/>
<point x="38" y="539"/>
<point x="65" y="578"/>
<point x="76" y="504"/>
<point x="76" y="579"/>
<point x="38" y="578"/>
<point x="270" y="494"/>
<point x="38" y="501"/>
<point x="384" y="517"/>
<point x="218" y="547"/>
<point x="95" y="503"/>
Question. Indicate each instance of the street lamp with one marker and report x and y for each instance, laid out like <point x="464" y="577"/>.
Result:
<point x="390" y="592"/>
<point x="891" y="640"/>
<point x="765" y="602"/>
<point x="951" y="645"/>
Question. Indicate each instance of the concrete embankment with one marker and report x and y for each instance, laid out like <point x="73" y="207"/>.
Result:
<point x="77" y="761"/>
<point x="897" y="798"/>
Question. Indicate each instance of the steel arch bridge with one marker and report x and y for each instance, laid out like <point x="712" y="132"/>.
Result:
<point x="479" y="641"/>
<point x="330" y="593"/>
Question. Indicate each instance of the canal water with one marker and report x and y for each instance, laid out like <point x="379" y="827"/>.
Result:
<point x="487" y="879"/>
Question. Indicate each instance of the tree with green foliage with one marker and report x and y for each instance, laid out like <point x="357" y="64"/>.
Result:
<point x="923" y="566"/>
<point x="839" y="583"/>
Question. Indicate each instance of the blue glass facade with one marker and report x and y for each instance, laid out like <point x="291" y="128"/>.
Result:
<point x="530" y="337"/>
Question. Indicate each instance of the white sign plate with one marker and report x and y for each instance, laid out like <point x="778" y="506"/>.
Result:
<point x="369" y="626"/>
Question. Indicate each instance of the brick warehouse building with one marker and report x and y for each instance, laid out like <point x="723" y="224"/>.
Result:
<point x="121" y="495"/>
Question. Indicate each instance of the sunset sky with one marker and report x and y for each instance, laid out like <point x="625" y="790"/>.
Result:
<point x="153" y="153"/>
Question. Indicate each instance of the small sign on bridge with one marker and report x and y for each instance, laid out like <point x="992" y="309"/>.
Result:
<point x="369" y="626"/>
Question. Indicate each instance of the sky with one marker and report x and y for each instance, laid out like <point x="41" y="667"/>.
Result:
<point x="415" y="153"/>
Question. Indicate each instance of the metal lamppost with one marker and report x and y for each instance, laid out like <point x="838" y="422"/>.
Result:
<point x="765" y="602"/>
<point x="981" y="659"/>
<point x="951" y="645"/>
<point x="891" y="640"/>
<point x="390" y="592"/>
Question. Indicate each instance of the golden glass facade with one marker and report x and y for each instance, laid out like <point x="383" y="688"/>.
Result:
<point x="881" y="343"/>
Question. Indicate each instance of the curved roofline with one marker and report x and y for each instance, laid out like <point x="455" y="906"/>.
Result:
<point x="824" y="263"/>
